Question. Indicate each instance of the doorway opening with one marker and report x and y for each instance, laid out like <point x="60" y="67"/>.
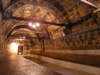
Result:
<point x="20" y="50"/>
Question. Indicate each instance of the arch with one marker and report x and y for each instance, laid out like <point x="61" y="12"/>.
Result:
<point x="17" y="27"/>
<point x="11" y="9"/>
<point x="14" y="25"/>
<point x="17" y="3"/>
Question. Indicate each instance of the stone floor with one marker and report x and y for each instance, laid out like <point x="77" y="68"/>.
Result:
<point x="12" y="64"/>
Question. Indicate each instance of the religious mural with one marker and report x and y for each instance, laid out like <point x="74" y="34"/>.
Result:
<point x="85" y="25"/>
<point x="24" y="9"/>
<point x="71" y="9"/>
<point x="5" y="3"/>
<point x="97" y="16"/>
<point x="57" y="33"/>
<point x="74" y="9"/>
<point x="94" y="1"/>
<point x="85" y="40"/>
<point x="37" y="46"/>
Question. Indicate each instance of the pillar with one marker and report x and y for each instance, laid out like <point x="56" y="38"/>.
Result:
<point x="0" y="31"/>
<point x="42" y="46"/>
<point x="2" y="40"/>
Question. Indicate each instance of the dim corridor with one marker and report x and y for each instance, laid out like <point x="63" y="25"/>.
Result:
<point x="12" y="64"/>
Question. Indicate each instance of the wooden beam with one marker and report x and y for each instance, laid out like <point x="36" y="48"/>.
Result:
<point x="29" y="31"/>
<point x="26" y="36"/>
<point x="39" y="21"/>
<point x="22" y="35"/>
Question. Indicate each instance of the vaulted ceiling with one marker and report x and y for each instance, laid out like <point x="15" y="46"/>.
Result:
<point x="55" y="11"/>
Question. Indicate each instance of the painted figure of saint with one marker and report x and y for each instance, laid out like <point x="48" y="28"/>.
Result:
<point x="73" y="40"/>
<point x="89" y="38"/>
<point x="80" y="10"/>
<point x="96" y="37"/>
<point x="68" y="41"/>
<point x="83" y="39"/>
<point x="78" y="41"/>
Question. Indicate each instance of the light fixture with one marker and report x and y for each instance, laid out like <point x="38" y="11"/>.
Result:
<point x="37" y="24"/>
<point x="23" y="37"/>
<point x="30" y="24"/>
<point x="34" y="26"/>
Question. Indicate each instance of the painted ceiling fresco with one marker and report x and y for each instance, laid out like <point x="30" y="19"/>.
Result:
<point x="34" y="11"/>
<point x="37" y="12"/>
<point x="40" y="13"/>
<point x="50" y="12"/>
<point x="23" y="31"/>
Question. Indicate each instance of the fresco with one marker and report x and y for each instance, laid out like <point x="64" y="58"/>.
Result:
<point x="25" y="10"/>
<point x="57" y="33"/>
<point x="85" y="25"/>
<point x="37" y="46"/>
<point x="94" y="1"/>
<point x="40" y="3"/>
<point x="40" y="12"/>
<point x="74" y="9"/>
<point x="5" y="3"/>
<point x="85" y="40"/>
<point x="71" y="9"/>
<point x="97" y="16"/>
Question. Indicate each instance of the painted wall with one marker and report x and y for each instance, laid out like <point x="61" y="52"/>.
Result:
<point x="85" y="35"/>
<point x="75" y="11"/>
<point x="36" y="49"/>
<point x="84" y="40"/>
<point x="81" y="46"/>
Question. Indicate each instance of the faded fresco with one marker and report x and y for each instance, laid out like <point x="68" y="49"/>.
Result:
<point x="94" y="1"/>
<point x="74" y="9"/>
<point x="57" y="33"/>
<point x="97" y="16"/>
<point x="85" y="40"/>
<point x="89" y="24"/>
<point x="37" y="46"/>
<point x="36" y="11"/>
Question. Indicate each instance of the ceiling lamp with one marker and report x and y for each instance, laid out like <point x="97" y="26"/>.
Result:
<point x="37" y="24"/>
<point x="34" y="26"/>
<point x="23" y="37"/>
<point x="30" y="24"/>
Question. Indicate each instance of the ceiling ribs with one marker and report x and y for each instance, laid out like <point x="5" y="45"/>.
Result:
<point x="32" y="31"/>
<point x="17" y="27"/>
<point x="22" y="35"/>
<point x="39" y="21"/>
<point x="11" y="26"/>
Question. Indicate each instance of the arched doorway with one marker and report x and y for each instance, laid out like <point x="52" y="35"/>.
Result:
<point x="20" y="49"/>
